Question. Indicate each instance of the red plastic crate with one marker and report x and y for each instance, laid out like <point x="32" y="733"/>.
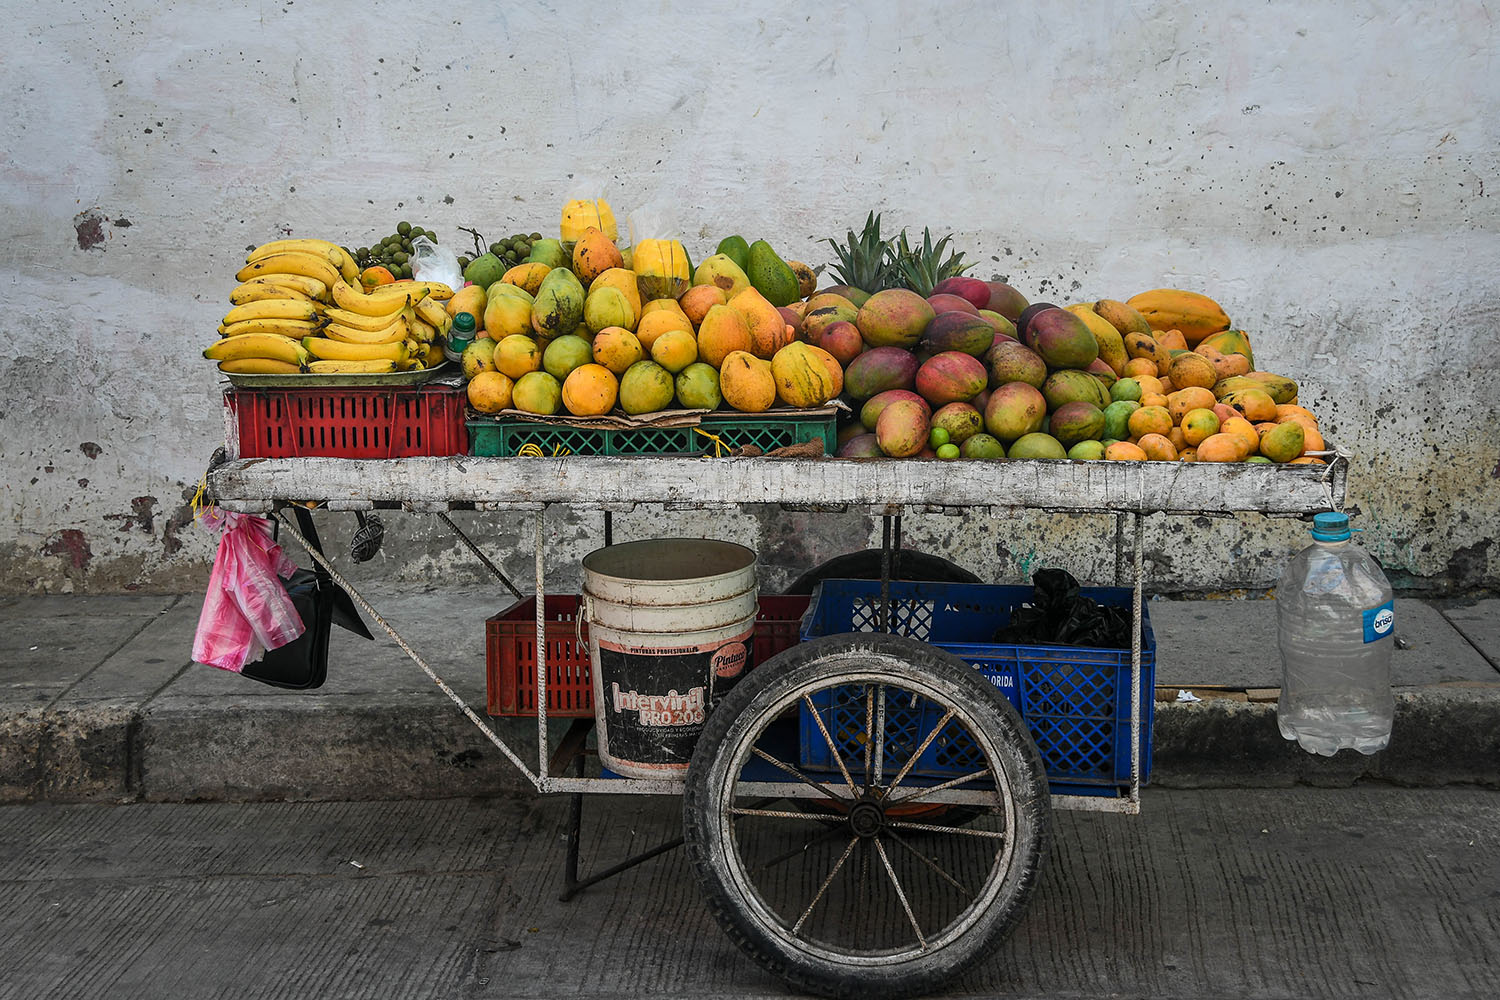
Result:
<point x="510" y="653"/>
<point x="352" y="422"/>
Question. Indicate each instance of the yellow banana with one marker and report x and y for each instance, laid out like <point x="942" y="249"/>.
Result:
<point x="345" y="263"/>
<point x="351" y="299"/>
<point x="351" y="367"/>
<point x="308" y="265"/>
<point x="260" y="291"/>
<point x="257" y="345"/>
<point x="311" y="287"/>
<point x="432" y="311"/>
<point x="293" y="328"/>
<point x="359" y="321"/>
<point x="272" y="309"/>
<point x="425" y="332"/>
<point x="336" y="350"/>
<point x="259" y="366"/>
<point x="397" y="330"/>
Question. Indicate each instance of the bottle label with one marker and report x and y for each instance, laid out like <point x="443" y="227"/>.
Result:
<point x="1379" y="621"/>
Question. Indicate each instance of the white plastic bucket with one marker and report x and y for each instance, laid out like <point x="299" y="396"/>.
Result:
<point x="671" y="626"/>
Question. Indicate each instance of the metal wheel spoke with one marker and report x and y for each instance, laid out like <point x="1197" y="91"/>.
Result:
<point x="789" y="855"/>
<point x="869" y="733"/>
<point x="900" y="893"/>
<point x="789" y="769"/>
<point x="838" y="758"/>
<point x="933" y="865"/>
<point x="826" y="883"/>
<point x="880" y="737"/>
<point x="922" y="793"/>
<point x="961" y="830"/>
<point x="911" y="761"/>
<point x="784" y="814"/>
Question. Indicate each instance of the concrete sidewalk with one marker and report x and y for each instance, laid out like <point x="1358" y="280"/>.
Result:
<point x="99" y="702"/>
<point x="1344" y="894"/>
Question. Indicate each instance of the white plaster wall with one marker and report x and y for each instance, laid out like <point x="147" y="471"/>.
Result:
<point x="1320" y="169"/>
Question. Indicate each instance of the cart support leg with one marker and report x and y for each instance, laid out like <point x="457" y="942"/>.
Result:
<point x="885" y="573"/>
<point x="1135" y="666"/>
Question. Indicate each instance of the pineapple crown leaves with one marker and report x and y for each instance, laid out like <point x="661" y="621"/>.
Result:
<point x="864" y="261"/>
<point x="922" y="268"/>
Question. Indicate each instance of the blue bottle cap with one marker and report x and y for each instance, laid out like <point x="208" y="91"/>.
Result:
<point x="1331" y="527"/>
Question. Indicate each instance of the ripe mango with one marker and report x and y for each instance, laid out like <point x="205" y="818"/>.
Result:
<point x="623" y="281"/>
<point x="721" y="271"/>
<point x="605" y="307"/>
<point x="1111" y="346"/>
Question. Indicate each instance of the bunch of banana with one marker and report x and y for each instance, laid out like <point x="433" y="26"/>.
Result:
<point x="284" y="288"/>
<point x="396" y="325"/>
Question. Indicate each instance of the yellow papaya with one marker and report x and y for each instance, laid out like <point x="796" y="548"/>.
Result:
<point x="661" y="268"/>
<point x="1196" y="315"/>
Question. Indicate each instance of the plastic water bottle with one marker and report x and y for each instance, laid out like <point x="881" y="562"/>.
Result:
<point x="1336" y="623"/>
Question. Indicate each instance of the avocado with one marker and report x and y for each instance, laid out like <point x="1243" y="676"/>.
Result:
<point x="771" y="275"/>
<point x="484" y="270"/>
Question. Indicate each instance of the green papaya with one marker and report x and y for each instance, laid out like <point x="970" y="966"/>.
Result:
<point x="736" y="249"/>
<point x="772" y="276"/>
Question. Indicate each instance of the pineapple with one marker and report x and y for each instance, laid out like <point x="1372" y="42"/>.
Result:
<point x="865" y="262"/>
<point x="921" y="268"/>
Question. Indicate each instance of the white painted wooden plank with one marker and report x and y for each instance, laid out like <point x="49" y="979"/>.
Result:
<point x="582" y="481"/>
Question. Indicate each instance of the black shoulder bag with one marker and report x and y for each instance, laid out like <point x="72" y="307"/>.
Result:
<point x="302" y="664"/>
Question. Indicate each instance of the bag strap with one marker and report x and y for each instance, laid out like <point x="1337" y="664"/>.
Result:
<point x="310" y="532"/>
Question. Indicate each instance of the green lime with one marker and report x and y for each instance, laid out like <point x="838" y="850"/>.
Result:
<point x="938" y="437"/>
<point x="947" y="450"/>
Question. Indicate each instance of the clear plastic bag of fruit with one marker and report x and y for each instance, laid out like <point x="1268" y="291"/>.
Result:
<point x="431" y="262"/>
<point x="657" y="255"/>
<point x="588" y="205"/>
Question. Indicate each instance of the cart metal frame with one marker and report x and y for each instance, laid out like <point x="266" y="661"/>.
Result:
<point x="1130" y="490"/>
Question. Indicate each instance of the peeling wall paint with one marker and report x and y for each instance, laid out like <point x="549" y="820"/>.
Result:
<point x="1342" y="209"/>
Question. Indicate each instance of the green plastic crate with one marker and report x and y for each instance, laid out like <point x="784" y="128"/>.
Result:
<point x="506" y="438"/>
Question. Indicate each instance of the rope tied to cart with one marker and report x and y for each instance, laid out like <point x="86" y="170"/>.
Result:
<point x="720" y="447"/>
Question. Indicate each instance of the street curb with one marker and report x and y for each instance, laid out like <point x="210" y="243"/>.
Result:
<point x="336" y="749"/>
<point x="1441" y="735"/>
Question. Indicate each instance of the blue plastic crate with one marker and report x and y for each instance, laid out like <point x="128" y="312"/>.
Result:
<point x="1075" y="700"/>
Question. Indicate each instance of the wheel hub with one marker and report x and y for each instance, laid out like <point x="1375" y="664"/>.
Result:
<point x="867" y="818"/>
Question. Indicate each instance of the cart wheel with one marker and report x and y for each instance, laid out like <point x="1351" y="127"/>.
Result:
<point x="865" y="565"/>
<point x="864" y="900"/>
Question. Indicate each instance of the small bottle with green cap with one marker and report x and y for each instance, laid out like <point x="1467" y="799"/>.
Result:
<point x="1336" y="627"/>
<point x="460" y="336"/>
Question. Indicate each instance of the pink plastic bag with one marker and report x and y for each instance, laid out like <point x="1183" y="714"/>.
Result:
<point x="247" y="610"/>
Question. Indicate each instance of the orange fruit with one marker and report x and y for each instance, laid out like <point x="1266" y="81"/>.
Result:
<point x="590" y="390"/>
<point x="1178" y="438"/>
<point x="1171" y="338"/>
<point x="616" y="348"/>
<point x="1245" y="431"/>
<point x="1307" y="460"/>
<point x="1220" y="448"/>
<point x="1155" y="399"/>
<point x="516" y="355"/>
<point x="1150" y="383"/>
<point x="1312" y="440"/>
<point x="1157" y="448"/>
<point x="1149" y="420"/>
<point x="658" y="321"/>
<point x="1199" y="425"/>
<point x="1139" y="368"/>
<point x="698" y="300"/>
<point x="1191" y="398"/>
<point x="1188" y="455"/>
<point x="489" y="392"/>
<point x="375" y="275"/>
<point x="1124" y="451"/>
<point x="674" y="350"/>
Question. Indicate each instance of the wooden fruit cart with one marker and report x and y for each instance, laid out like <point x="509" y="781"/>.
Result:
<point x="824" y="849"/>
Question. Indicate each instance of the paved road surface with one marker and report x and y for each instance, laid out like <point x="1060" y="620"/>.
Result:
<point x="1364" y="892"/>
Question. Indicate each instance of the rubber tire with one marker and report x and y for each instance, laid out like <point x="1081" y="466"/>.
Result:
<point x="865" y="565"/>
<point x="827" y="658"/>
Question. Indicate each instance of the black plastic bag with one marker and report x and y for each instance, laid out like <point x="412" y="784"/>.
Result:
<point x="1059" y="614"/>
